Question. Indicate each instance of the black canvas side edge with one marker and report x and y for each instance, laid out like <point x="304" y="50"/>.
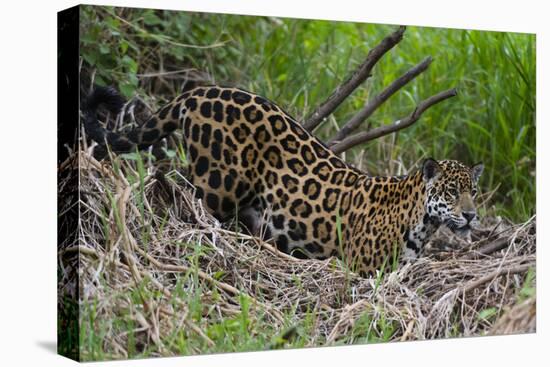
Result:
<point x="67" y="179"/>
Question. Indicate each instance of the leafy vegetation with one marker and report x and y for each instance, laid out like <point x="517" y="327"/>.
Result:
<point x="298" y="63"/>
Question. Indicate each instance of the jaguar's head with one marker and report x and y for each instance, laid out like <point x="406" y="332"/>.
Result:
<point x="451" y="188"/>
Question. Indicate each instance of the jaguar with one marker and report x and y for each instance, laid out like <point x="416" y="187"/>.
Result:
<point x="249" y="158"/>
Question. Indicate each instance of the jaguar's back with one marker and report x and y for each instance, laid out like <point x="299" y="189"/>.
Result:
<point x="248" y="157"/>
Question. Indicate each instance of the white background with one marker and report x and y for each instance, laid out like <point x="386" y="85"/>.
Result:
<point x="28" y="180"/>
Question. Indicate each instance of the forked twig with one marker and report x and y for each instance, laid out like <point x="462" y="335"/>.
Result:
<point x="489" y="248"/>
<point x="355" y="79"/>
<point x="377" y="101"/>
<point x="491" y="276"/>
<point x="378" y="132"/>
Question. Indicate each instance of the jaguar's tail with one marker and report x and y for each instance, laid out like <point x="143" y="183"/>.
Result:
<point x="138" y="138"/>
<point x="113" y="101"/>
<point x="107" y="96"/>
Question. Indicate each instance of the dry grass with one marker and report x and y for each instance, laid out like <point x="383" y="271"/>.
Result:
<point x="151" y="256"/>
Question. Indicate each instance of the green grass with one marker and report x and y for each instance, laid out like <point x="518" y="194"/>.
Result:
<point x="528" y="289"/>
<point x="298" y="63"/>
<point x="371" y="330"/>
<point x="240" y="333"/>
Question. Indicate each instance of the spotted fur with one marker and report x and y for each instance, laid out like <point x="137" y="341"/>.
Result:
<point x="248" y="156"/>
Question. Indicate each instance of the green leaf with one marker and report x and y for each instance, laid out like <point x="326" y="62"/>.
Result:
<point x="130" y="156"/>
<point x="169" y="152"/>
<point x="487" y="313"/>
<point x="282" y="77"/>
<point x="150" y="18"/>
<point x="91" y="58"/>
<point x="133" y="79"/>
<point x="219" y="274"/>
<point x="127" y="89"/>
<point x="123" y="46"/>
<point x="104" y="49"/>
<point x="112" y="23"/>
<point x="130" y="64"/>
<point x="99" y="80"/>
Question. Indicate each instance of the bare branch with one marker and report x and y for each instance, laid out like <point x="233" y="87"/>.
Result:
<point x="356" y="78"/>
<point x="492" y="276"/>
<point x="373" y="105"/>
<point x="365" y="136"/>
<point x="497" y="245"/>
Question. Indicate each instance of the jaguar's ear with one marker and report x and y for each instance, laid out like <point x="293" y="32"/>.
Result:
<point x="477" y="170"/>
<point x="431" y="169"/>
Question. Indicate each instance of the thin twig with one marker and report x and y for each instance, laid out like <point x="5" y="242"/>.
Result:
<point x="490" y="277"/>
<point x="355" y="79"/>
<point x="373" y="105"/>
<point x="262" y="243"/>
<point x="365" y="136"/>
<point x="169" y="295"/>
<point x="184" y="269"/>
<point x="407" y="331"/>
<point x="221" y="285"/>
<point x="489" y="248"/>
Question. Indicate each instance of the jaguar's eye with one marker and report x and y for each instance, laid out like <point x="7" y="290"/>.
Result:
<point x="453" y="192"/>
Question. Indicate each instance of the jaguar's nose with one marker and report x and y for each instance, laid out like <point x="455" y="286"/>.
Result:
<point x="469" y="216"/>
